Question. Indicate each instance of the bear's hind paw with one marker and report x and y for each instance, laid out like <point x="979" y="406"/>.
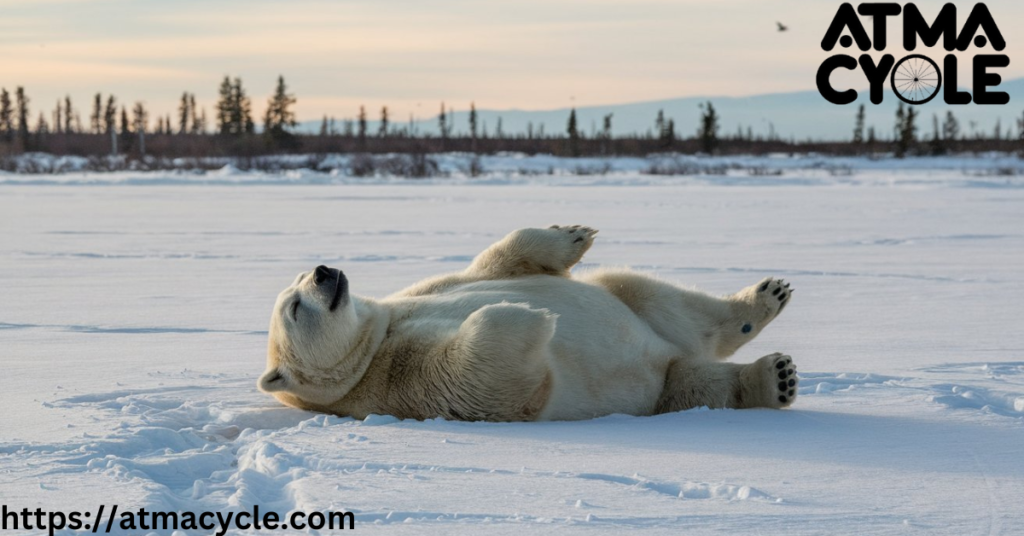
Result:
<point x="785" y="380"/>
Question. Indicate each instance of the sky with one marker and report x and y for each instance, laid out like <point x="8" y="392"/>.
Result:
<point x="411" y="55"/>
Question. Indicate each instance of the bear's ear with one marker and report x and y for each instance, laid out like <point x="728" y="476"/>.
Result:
<point x="273" y="380"/>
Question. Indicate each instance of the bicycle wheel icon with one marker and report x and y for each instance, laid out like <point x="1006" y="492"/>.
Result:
<point x="916" y="79"/>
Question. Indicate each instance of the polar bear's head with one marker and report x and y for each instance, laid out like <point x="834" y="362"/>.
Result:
<point x="315" y="334"/>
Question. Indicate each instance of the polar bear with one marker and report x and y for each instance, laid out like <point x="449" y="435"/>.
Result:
<point x="515" y="337"/>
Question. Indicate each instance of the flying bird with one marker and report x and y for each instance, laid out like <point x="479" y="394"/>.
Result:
<point x="782" y="27"/>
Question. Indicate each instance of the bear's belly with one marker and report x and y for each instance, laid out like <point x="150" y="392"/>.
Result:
<point x="604" y="359"/>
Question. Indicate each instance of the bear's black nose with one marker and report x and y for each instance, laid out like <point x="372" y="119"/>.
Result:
<point x="320" y="274"/>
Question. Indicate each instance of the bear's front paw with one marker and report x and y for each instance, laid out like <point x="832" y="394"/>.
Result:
<point x="771" y="296"/>
<point x="577" y="240"/>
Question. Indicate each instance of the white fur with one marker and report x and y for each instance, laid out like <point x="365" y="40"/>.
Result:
<point x="514" y="337"/>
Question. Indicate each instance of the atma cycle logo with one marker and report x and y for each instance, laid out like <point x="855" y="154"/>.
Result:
<point x="915" y="78"/>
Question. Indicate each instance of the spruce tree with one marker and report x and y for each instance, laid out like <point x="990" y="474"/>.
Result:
<point x="126" y="126"/>
<point x="140" y="118"/>
<point x="606" y="133"/>
<point x="279" y="117"/>
<point x="21" y="107"/>
<point x="225" y="105"/>
<point x="241" y="109"/>
<point x="897" y="130"/>
<point x="6" y="115"/>
<point x="910" y="131"/>
<point x="573" y="133"/>
<point x="185" y="113"/>
<point x="67" y="115"/>
<point x="382" y="132"/>
<point x="708" y="131"/>
<point x="58" y="118"/>
<point x="666" y="131"/>
<point x="906" y="130"/>
<point x="951" y="127"/>
<point x="472" y="125"/>
<point x="442" y="123"/>
<point x="198" y="127"/>
<point x="110" y="115"/>
<point x="96" y="119"/>
<point x="140" y="121"/>
<point x="937" y="147"/>
<point x="858" y="129"/>
<point x="323" y="127"/>
<point x="362" y="128"/>
<point x="234" y="109"/>
<point x="42" y="128"/>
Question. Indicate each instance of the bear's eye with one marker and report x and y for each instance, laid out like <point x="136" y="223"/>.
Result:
<point x="747" y="328"/>
<point x="295" y="310"/>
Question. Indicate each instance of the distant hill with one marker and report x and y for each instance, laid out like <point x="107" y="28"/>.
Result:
<point x="801" y="115"/>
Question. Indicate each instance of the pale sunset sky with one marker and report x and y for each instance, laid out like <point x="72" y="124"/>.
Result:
<point x="412" y="54"/>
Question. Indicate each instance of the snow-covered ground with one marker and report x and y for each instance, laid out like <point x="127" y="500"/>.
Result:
<point x="133" y="318"/>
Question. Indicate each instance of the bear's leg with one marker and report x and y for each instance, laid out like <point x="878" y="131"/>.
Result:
<point x="551" y="251"/>
<point x="769" y="382"/>
<point x="698" y="323"/>
<point x="497" y="363"/>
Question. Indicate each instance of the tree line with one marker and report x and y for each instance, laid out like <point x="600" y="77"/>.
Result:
<point x="117" y="128"/>
<point x="128" y="127"/>
<point x="946" y="137"/>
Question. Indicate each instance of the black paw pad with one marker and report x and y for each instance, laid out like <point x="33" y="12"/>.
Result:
<point x="792" y="382"/>
<point x="780" y="365"/>
<point x="782" y="386"/>
<point x="764" y="286"/>
<point x="776" y="291"/>
<point x="783" y="399"/>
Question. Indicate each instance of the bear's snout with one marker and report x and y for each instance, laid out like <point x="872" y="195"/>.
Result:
<point x="320" y="274"/>
<point x="331" y="284"/>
